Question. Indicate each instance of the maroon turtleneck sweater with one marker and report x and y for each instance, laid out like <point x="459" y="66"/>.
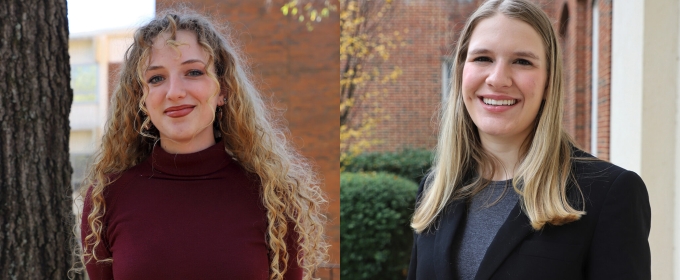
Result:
<point x="186" y="216"/>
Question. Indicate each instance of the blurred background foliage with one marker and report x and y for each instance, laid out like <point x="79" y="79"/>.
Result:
<point x="375" y="234"/>
<point x="377" y="199"/>
<point x="308" y="11"/>
<point x="364" y="46"/>
<point x="408" y="163"/>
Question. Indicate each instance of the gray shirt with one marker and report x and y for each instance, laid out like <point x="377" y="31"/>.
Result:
<point x="486" y="212"/>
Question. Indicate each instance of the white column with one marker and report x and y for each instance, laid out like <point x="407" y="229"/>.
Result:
<point x="102" y="57"/>
<point x="676" y="204"/>
<point x="595" y="75"/>
<point x="626" y="84"/>
<point x="643" y="113"/>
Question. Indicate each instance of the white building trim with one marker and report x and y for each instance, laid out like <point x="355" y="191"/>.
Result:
<point x="644" y="122"/>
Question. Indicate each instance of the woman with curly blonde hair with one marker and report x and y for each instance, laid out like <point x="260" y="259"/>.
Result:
<point x="193" y="179"/>
<point x="510" y="196"/>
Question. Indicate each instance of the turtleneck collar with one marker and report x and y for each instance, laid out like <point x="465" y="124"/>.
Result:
<point x="200" y="163"/>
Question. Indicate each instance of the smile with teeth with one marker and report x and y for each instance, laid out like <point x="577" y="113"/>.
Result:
<point x="494" y="102"/>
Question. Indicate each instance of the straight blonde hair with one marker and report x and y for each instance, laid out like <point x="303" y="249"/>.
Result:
<point x="544" y="170"/>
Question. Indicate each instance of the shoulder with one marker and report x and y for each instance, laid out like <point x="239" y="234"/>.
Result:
<point x="591" y="171"/>
<point x="120" y="180"/>
<point x="585" y="164"/>
<point x="117" y="181"/>
<point x="604" y="184"/>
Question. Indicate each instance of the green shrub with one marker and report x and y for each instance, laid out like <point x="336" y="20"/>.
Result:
<point x="375" y="236"/>
<point x="412" y="164"/>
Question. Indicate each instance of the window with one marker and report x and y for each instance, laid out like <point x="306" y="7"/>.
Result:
<point x="447" y="64"/>
<point x="84" y="82"/>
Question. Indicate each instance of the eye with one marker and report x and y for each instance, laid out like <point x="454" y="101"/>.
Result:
<point x="482" y="59"/>
<point x="155" y="79"/>
<point x="523" y="62"/>
<point x="195" y="73"/>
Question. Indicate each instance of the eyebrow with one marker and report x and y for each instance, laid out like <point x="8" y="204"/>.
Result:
<point x="519" y="53"/>
<point x="478" y="51"/>
<point x="527" y="54"/>
<point x="190" y="61"/>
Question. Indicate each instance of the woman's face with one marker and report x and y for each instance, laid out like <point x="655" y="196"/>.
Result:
<point x="182" y="98"/>
<point x="504" y="78"/>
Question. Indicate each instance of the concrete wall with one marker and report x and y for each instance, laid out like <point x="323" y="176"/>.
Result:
<point x="644" y="120"/>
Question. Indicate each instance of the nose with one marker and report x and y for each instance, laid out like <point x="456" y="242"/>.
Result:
<point x="176" y="88"/>
<point x="500" y="76"/>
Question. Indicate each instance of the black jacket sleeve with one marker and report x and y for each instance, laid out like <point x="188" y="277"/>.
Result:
<point x="620" y="247"/>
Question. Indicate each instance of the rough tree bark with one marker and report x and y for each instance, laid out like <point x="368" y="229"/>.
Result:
<point x="35" y="101"/>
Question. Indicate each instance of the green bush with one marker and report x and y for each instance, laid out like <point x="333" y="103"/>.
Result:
<point x="375" y="236"/>
<point x="412" y="164"/>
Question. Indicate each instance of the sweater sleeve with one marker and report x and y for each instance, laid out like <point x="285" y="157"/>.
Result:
<point x="96" y="271"/>
<point x="294" y="271"/>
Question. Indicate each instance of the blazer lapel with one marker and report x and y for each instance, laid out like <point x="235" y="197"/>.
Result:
<point x="511" y="233"/>
<point x="443" y="266"/>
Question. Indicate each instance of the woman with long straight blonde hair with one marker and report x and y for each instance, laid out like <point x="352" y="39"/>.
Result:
<point x="193" y="179"/>
<point x="510" y="196"/>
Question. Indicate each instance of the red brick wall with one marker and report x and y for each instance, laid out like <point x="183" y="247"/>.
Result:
<point x="410" y="103"/>
<point x="575" y="42"/>
<point x="300" y="71"/>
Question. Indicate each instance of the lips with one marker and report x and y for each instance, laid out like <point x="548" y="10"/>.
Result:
<point x="497" y="103"/>
<point x="179" y="111"/>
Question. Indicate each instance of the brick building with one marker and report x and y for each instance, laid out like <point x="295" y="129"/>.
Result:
<point x="622" y="89"/>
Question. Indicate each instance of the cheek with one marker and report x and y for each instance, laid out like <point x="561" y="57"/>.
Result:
<point x="533" y="86"/>
<point x="471" y="81"/>
<point x="150" y="103"/>
<point x="153" y="101"/>
<point x="206" y="92"/>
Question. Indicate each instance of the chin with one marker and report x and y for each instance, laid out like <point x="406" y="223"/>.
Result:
<point x="176" y="139"/>
<point x="180" y="136"/>
<point x="494" y="132"/>
<point x="493" y="128"/>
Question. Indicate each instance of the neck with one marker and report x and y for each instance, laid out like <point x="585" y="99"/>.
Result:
<point x="506" y="152"/>
<point x="172" y="146"/>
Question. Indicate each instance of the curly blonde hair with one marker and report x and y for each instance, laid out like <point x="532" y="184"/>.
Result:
<point x="290" y="190"/>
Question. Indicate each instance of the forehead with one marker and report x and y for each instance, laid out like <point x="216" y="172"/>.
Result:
<point x="501" y="33"/>
<point x="184" y="48"/>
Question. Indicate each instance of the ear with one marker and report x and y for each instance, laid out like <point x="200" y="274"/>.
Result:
<point x="222" y="97"/>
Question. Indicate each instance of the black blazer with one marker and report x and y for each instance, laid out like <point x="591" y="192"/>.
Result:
<point x="608" y="242"/>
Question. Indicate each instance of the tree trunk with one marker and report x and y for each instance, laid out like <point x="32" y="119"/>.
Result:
<point x="35" y="173"/>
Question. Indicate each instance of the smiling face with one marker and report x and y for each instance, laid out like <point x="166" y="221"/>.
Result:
<point x="504" y="78"/>
<point x="182" y="98"/>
